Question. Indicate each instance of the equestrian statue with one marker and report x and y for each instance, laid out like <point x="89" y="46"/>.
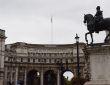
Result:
<point x="96" y="23"/>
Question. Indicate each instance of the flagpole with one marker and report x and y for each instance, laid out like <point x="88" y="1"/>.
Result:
<point x="51" y="30"/>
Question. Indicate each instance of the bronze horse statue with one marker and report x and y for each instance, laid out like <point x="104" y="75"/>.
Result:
<point x="104" y="25"/>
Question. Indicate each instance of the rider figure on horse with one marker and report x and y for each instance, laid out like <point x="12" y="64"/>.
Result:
<point x="98" y="18"/>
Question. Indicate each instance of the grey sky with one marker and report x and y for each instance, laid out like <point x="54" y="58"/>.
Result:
<point x="30" y="20"/>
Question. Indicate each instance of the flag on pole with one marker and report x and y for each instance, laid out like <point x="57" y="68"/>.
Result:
<point x="51" y="18"/>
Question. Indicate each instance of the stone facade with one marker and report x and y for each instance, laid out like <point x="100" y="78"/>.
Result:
<point x="17" y="60"/>
<point x="21" y="58"/>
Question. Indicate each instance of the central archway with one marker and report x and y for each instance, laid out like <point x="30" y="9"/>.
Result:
<point x="50" y="78"/>
<point x="33" y="78"/>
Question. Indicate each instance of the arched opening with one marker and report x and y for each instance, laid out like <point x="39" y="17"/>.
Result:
<point x="67" y="76"/>
<point x="33" y="78"/>
<point x="50" y="78"/>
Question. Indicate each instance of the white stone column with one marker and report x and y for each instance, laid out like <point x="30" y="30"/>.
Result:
<point x="42" y="76"/>
<point x="16" y="76"/>
<point x="58" y="78"/>
<point x="1" y="64"/>
<point x="25" y="77"/>
<point x="2" y="49"/>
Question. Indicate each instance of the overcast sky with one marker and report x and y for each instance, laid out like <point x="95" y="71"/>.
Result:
<point x="30" y="20"/>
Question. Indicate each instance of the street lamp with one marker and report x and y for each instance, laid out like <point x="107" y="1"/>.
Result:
<point x="18" y="65"/>
<point x="23" y="78"/>
<point x="77" y="43"/>
<point x="10" y="52"/>
<point x="11" y="69"/>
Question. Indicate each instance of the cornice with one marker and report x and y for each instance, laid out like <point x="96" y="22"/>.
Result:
<point x="44" y="45"/>
<point x="97" y="47"/>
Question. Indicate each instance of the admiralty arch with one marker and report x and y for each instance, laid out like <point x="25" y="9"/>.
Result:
<point x="32" y="64"/>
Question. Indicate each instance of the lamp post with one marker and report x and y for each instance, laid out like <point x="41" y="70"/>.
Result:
<point x="77" y="43"/>
<point x="18" y="65"/>
<point x="11" y="70"/>
<point x="10" y="52"/>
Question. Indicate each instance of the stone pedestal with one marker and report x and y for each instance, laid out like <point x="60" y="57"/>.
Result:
<point x="99" y="56"/>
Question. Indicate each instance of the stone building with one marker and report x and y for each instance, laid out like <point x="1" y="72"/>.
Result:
<point x="32" y="63"/>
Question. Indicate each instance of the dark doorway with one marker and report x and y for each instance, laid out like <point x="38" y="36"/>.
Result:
<point x="50" y="78"/>
<point x="33" y="78"/>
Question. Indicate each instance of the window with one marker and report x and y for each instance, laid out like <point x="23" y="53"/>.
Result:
<point x="28" y="60"/>
<point x="13" y="59"/>
<point x="21" y="59"/>
<point x="71" y="60"/>
<point x="34" y="60"/>
<point x="55" y="60"/>
<point x="38" y="60"/>
<point x="49" y="60"/>
<point x="8" y="58"/>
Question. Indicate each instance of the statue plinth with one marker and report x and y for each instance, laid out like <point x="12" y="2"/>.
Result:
<point x="99" y="57"/>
